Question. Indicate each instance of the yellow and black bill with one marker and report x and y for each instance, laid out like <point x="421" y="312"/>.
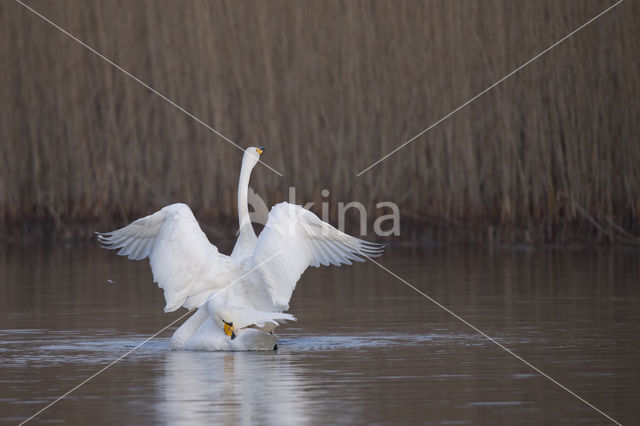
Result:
<point x="228" y="329"/>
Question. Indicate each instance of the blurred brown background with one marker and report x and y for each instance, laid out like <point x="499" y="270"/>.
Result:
<point x="552" y="155"/>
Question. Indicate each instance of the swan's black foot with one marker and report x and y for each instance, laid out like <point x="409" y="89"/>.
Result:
<point x="275" y="347"/>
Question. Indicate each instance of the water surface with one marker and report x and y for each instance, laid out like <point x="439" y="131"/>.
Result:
<point x="366" y="348"/>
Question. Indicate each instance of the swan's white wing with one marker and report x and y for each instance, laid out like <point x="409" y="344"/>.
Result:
<point x="293" y="239"/>
<point x="182" y="259"/>
<point x="242" y="317"/>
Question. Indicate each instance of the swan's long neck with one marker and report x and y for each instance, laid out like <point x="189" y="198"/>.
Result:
<point x="243" y="206"/>
<point x="247" y="236"/>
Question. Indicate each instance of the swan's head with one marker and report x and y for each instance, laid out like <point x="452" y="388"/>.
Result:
<point x="252" y="156"/>
<point x="226" y="325"/>
<point x="222" y="319"/>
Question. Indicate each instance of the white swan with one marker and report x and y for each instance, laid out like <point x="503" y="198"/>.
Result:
<point x="241" y="297"/>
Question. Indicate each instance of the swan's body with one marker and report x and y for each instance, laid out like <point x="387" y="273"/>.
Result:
<point x="241" y="297"/>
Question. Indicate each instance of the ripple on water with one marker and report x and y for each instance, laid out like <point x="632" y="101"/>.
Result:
<point x="60" y="347"/>
<point x="370" y="340"/>
<point x="50" y="348"/>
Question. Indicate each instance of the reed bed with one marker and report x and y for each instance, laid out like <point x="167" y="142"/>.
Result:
<point x="551" y="155"/>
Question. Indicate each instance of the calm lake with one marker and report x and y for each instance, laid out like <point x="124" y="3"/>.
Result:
<point x="365" y="349"/>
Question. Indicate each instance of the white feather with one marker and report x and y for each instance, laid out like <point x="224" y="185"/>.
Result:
<point x="182" y="259"/>
<point x="295" y="239"/>
<point x="251" y="287"/>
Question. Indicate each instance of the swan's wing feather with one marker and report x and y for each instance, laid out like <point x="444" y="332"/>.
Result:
<point x="182" y="258"/>
<point x="244" y="317"/>
<point x="139" y="235"/>
<point x="294" y="239"/>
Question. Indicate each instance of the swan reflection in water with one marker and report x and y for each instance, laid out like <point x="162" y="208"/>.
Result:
<point x="231" y="388"/>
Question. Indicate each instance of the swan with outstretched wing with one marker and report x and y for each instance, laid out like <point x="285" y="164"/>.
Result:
<point x="240" y="298"/>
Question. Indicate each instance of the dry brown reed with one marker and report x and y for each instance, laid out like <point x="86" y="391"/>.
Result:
<point x="551" y="155"/>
